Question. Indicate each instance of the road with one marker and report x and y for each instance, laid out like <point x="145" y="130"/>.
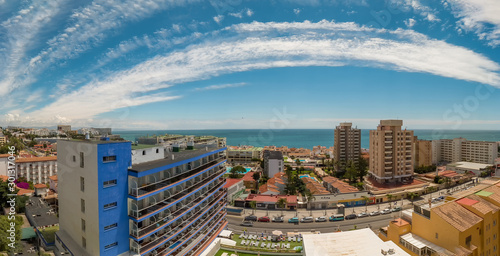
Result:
<point x="375" y="223"/>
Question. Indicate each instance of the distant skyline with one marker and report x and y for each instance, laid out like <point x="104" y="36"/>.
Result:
<point x="285" y="64"/>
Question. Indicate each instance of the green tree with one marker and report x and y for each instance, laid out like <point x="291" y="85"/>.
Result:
<point x="362" y="168"/>
<point x="366" y="200"/>
<point x="412" y="196"/>
<point x="235" y="171"/>
<point x="282" y="204"/>
<point x="253" y="205"/>
<point x="310" y="198"/>
<point x="389" y="198"/>
<point x="297" y="162"/>
<point x="5" y="234"/>
<point x="351" y="172"/>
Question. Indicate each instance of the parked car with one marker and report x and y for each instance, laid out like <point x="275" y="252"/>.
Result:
<point x="350" y="216"/>
<point x="337" y="217"/>
<point x="307" y="219"/>
<point x="278" y="219"/>
<point x="362" y="214"/>
<point x="264" y="219"/>
<point x="374" y="213"/>
<point x="293" y="220"/>
<point x="441" y="197"/>
<point x="251" y="218"/>
<point x="321" y="219"/>
<point x="247" y="224"/>
<point x="397" y="209"/>
<point x="386" y="211"/>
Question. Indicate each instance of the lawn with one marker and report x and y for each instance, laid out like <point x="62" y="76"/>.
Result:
<point x="238" y="240"/>
<point x="229" y="252"/>
<point x="49" y="233"/>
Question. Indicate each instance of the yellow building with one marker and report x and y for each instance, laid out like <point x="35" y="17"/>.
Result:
<point x="3" y="139"/>
<point x="464" y="226"/>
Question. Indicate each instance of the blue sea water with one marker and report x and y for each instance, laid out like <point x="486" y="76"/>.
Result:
<point x="305" y="138"/>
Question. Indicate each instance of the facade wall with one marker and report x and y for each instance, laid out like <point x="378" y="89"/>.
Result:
<point x="347" y="145"/>
<point x="391" y="152"/>
<point x="423" y="153"/>
<point x="460" y="149"/>
<point x="147" y="154"/>
<point x="4" y="165"/>
<point x="37" y="171"/>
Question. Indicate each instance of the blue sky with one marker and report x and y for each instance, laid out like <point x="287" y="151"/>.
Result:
<point x="194" y="64"/>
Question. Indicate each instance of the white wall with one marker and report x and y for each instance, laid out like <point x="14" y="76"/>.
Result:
<point x="147" y="154"/>
<point x="275" y="166"/>
<point x="70" y="214"/>
<point x="4" y="165"/>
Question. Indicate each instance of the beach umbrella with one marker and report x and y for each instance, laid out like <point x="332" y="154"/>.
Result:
<point x="277" y="233"/>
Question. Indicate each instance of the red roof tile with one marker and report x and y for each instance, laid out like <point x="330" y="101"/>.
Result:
<point x="467" y="201"/>
<point x="229" y="182"/>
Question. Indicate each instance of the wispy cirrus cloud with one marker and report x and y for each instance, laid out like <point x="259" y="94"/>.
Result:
<point x="219" y="86"/>
<point x="256" y="45"/>
<point x="426" y="12"/>
<point x="480" y="17"/>
<point x="20" y="36"/>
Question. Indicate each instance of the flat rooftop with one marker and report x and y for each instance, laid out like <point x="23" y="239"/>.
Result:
<point x="178" y="156"/>
<point x="96" y="141"/>
<point x="38" y="214"/>
<point x="143" y="146"/>
<point x="469" y="165"/>
<point x="361" y="242"/>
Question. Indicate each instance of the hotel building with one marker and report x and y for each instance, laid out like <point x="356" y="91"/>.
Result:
<point x="37" y="169"/>
<point x="273" y="163"/>
<point x="391" y="152"/>
<point x="460" y="149"/>
<point x="347" y="145"/>
<point x="118" y="199"/>
<point x="423" y="152"/>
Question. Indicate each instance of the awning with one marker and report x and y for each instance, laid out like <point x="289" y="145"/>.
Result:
<point x="226" y="233"/>
<point x="420" y="243"/>
<point x="28" y="233"/>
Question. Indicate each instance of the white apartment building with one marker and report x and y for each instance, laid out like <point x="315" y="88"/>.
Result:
<point x="37" y="169"/>
<point x="243" y="155"/>
<point x="460" y="149"/>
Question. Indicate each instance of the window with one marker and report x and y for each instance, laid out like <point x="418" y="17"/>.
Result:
<point x="110" y="205"/>
<point x="494" y="223"/>
<point x="84" y="242"/>
<point x="114" y="225"/>
<point x="82" y="184"/>
<point x="109" y="183"/>
<point x="74" y="158"/>
<point x="437" y="236"/>
<point x="468" y="240"/>
<point x="144" y="152"/>
<point x="82" y="205"/>
<point x="110" y="245"/>
<point x="157" y="151"/>
<point x="81" y="160"/>
<point x="83" y="225"/>
<point x="109" y="159"/>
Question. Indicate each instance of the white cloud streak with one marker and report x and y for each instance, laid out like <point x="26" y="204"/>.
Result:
<point x="220" y="86"/>
<point x="258" y="45"/>
<point x="479" y="16"/>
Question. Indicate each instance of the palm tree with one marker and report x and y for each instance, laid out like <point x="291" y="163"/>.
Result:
<point x="282" y="204"/>
<point x="411" y="195"/>
<point x="389" y="198"/>
<point x="310" y="197"/>
<point x="366" y="199"/>
<point x="253" y="205"/>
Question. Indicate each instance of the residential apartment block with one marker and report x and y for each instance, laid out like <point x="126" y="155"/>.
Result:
<point x="347" y="145"/>
<point x="423" y="152"/>
<point x="243" y="155"/>
<point x="460" y="149"/>
<point x="467" y="225"/>
<point x="3" y="139"/>
<point x="391" y="152"/>
<point x="273" y="162"/>
<point x="37" y="169"/>
<point x="115" y="199"/>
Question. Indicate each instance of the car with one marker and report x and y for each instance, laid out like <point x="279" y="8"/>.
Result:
<point x="307" y="220"/>
<point x="293" y="220"/>
<point x="251" y="218"/>
<point x="264" y="219"/>
<point x="362" y="215"/>
<point x="386" y="211"/>
<point x="247" y="224"/>
<point x="397" y="209"/>
<point x="441" y="197"/>
<point x="321" y="219"/>
<point x="278" y="219"/>
<point x="351" y="216"/>
<point x="337" y="217"/>
<point x="374" y="213"/>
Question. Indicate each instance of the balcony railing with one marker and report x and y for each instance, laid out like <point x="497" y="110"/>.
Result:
<point x="174" y="179"/>
<point x="179" y="241"/>
<point x="176" y="198"/>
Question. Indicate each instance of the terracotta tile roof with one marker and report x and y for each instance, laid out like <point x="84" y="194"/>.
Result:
<point x="23" y="191"/>
<point x="229" y="182"/>
<point x="40" y="186"/>
<point x="4" y="155"/>
<point x="496" y="193"/>
<point x="271" y="198"/>
<point x="341" y="186"/>
<point x="54" y="178"/>
<point x="457" y="216"/>
<point x="36" y="159"/>
<point x="248" y="176"/>
<point x="483" y="206"/>
<point x="4" y="178"/>
<point x="467" y="201"/>
<point x="400" y="222"/>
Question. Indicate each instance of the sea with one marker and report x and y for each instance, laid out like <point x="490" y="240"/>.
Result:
<point x="304" y="138"/>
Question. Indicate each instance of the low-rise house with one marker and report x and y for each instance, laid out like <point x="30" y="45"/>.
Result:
<point x="233" y="186"/>
<point x="335" y="185"/>
<point x="271" y="201"/>
<point x="40" y="189"/>
<point x="248" y="180"/>
<point x="53" y="183"/>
